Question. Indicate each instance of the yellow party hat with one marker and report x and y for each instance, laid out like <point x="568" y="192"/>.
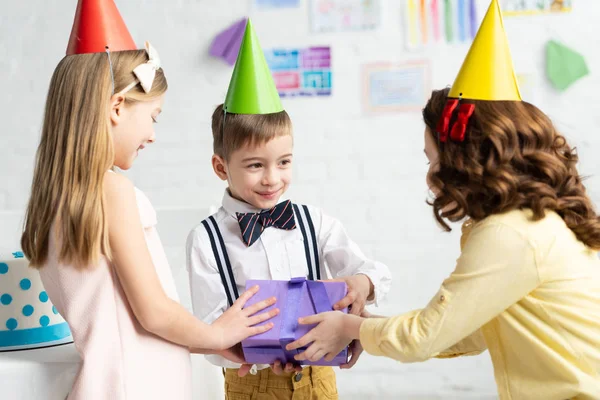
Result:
<point x="487" y="72"/>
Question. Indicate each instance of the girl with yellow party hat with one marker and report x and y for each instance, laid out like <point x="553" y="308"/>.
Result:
<point x="526" y="286"/>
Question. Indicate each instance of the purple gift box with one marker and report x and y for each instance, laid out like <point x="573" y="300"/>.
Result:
<point x="295" y="298"/>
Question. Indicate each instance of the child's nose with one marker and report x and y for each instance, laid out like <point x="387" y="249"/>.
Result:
<point x="270" y="177"/>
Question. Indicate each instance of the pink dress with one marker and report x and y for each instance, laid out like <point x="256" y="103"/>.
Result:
<point x="120" y="360"/>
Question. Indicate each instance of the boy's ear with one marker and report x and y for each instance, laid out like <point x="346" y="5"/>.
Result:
<point x="218" y="165"/>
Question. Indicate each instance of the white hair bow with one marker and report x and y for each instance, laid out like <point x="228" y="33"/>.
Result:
<point x="146" y="72"/>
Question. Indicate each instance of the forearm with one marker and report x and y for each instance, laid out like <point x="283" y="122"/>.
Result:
<point x="367" y="314"/>
<point x="197" y="350"/>
<point x="352" y="325"/>
<point x="173" y="322"/>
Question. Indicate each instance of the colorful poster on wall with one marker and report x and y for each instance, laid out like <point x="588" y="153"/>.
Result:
<point x="428" y="22"/>
<point x="271" y="4"/>
<point x="301" y="72"/>
<point x="344" y="15"/>
<point x="529" y="7"/>
<point x="396" y="87"/>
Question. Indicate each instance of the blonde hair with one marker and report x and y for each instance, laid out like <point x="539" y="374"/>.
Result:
<point x="243" y="129"/>
<point x="75" y="152"/>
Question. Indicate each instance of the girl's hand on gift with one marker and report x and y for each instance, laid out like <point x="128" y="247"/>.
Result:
<point x="334" y="331"/>
<point x="278" y="369"/>
<point x="355" y="351"/>
<point x="360" y="289"/>
<point x="238" y="323"/>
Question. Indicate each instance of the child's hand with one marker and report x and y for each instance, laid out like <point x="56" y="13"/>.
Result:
<point x="234" y="353"/>
<point x="354" y="351"/>
<point x="360" y="289"/>
<point x="335" y="331"/>
<point x="244" y="369"/>
<point x="237" y="323"/>
<point x="278" y="369"/>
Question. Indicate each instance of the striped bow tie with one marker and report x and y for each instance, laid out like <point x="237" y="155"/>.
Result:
<point x="252" y="225"/>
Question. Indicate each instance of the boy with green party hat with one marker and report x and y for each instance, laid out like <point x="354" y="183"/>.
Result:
<point x="254" y="234"/>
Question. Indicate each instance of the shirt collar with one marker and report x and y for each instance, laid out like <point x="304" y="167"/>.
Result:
<point x="233" y="206"/>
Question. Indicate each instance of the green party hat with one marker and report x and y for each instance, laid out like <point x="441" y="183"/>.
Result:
<point x="251" y="90"/>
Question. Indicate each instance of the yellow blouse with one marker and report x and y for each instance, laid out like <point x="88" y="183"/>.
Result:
<point x="527" y="291"/>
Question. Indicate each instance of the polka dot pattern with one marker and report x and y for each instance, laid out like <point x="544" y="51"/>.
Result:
<point x="3" y="268"/>
<point x="6" y="299"/>
<point x="44" y="320"/>
<point x="27" y="310"/>
<point x="11" y="324"/>
<point x="43" y="296"/>
<point x="25" y="284"/>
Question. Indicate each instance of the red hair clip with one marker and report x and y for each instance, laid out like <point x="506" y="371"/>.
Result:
<point x="460" y="126"/>
<point x="444" y="122"/>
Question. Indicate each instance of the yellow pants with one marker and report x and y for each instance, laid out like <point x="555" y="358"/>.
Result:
<point x="313" y="383"/>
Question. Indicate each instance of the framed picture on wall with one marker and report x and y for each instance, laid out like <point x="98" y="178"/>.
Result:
<point x="529" y="7"/>
<point x="275" y="4"/>
<point x="396" y="87"/>
<point x="344" y="15"/>
<point x="301" y="71"/>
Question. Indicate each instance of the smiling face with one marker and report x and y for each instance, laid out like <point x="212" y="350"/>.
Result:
<point x="132" y="128"/>
<point x="258" y="174"/>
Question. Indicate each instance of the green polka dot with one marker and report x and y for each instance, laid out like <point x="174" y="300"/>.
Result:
<point x="6" y="299"/>
<point x="25" y="284"/>
<point x="11" y="324"/>
<point x="44" y="320"/>
<point x="54" y="310"/>
<point x="27" y="310"/>
<point x="3" y="268"/>
<point x="43" y="297"/>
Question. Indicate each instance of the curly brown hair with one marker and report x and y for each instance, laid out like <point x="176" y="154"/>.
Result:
<point x="512" y="158"/>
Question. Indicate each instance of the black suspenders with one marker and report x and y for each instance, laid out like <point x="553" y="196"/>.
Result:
<point x="314" y="272"/>
<point x="222" y="259"/>
<point x="217" y="244"/>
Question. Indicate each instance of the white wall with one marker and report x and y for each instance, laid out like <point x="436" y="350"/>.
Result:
<point x="367" y="171"/>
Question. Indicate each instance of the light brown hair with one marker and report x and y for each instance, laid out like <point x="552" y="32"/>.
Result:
<point x="246" y="129"/>
<point x="512" y="158"/>
<point x="75" y="152"/>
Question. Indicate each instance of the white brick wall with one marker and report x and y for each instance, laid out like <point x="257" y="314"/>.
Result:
<point x="367" y="171"/>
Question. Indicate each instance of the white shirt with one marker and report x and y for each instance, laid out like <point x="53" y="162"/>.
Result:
<point x="277" y="255"/>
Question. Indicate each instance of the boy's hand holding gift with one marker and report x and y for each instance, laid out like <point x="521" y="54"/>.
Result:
<point x="355" y="349"/>
<point x="360" y="290"/>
